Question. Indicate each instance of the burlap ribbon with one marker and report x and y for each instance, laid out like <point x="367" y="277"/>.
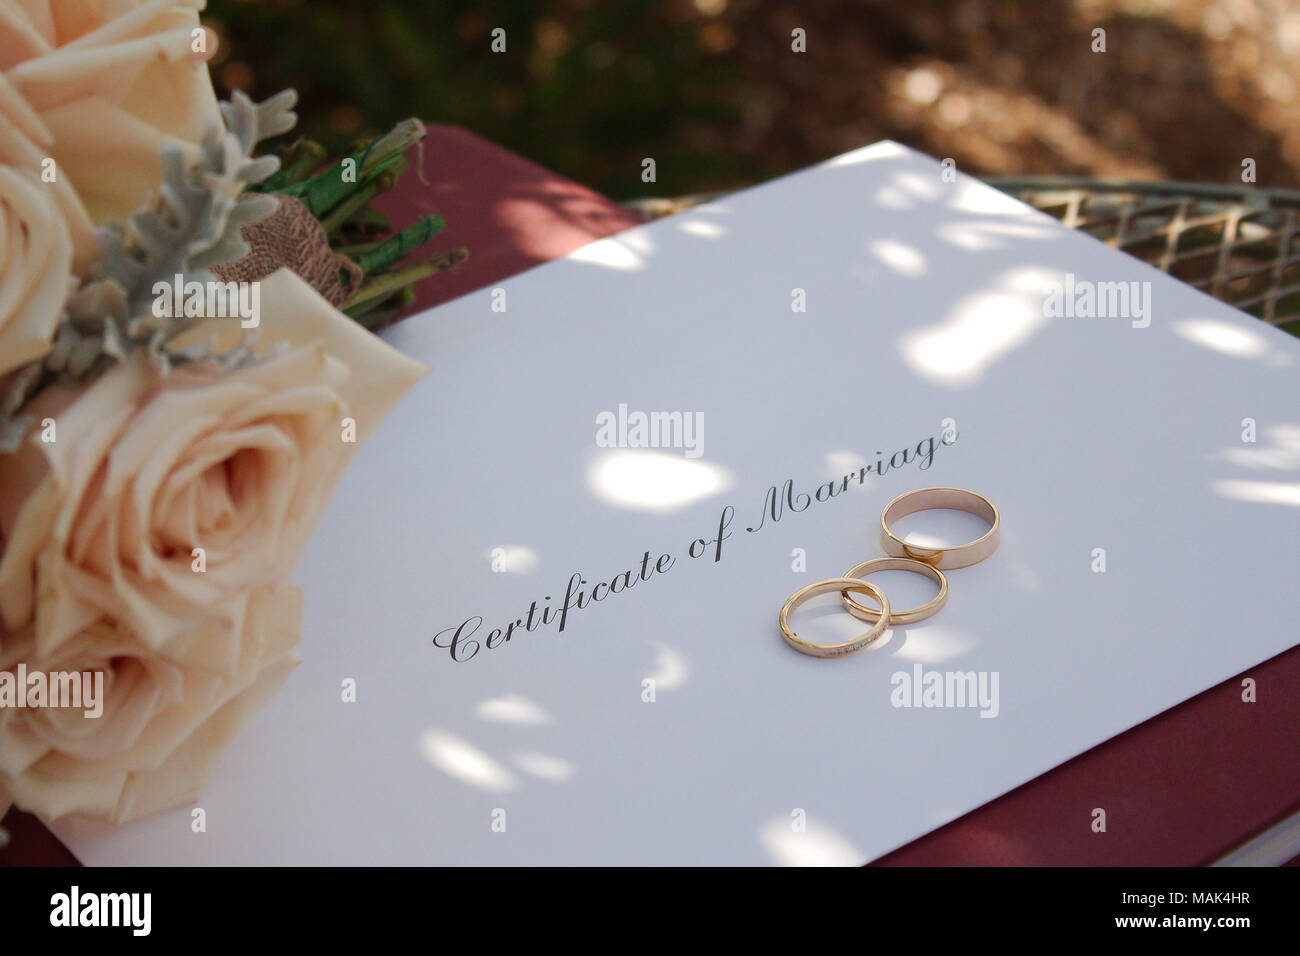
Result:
<point x="291" y="236"/>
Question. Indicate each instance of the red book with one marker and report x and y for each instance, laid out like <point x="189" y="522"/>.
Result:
<point x="510" y="213"/>
<point x="1181" y="789"/>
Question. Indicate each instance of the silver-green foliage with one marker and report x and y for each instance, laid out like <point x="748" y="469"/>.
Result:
<point x="190" y="225"/>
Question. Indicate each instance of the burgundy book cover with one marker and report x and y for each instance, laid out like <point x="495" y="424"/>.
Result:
<point x="1181" y="789"/>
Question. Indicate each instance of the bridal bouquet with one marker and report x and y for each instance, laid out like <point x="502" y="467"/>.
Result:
<point x="185" y="373"/>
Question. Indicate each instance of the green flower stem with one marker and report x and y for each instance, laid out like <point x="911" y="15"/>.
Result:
<point x="368" y="221"/>
<point x="355" y="249"/>
<point x="380" y="288"/>
<point x="369" y="153"/>
<point x="307" y="160"/>
<point x="393" y="250"/>
<point x="397" y="140"/>
<point x="298" y="162"/>
<point x="326" y="190"/>
<point x="385" y="181"/>
<point x="383" y="311"/>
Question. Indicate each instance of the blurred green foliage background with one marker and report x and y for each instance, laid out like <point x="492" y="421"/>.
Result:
<point x="584" y="89"/>
<point x="713" y="91"/>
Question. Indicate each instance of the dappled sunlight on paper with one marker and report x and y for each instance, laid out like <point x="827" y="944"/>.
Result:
<point x="701" y="228"/>
<point x="929" y="643"/>
<point x="1229" y="339"/>
<point x="463" y="761"/>
<point x="1279" y="450"/>
<point x="513" y="559"/>
<point x="512" y="709"/>
<point x="654" y="481"/>
<point x="983" y="236"/>
<point x="844" y="462"/>
<point x="671" y="668"/>
<point x="903" y="259"/>
<point x="979" y="330"/>
<point x="1260" y="492"/>
<point x="545" y="767"/>
<point x="816" y="845"/>
<point x="612" y="254"/>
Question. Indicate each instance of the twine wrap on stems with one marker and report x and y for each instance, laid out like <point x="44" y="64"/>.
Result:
<point x="293" y="237"/>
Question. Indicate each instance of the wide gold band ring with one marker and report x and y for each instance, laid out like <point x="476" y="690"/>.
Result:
<point x="926" y="499"/>
<point x="825" y="587"/>
<point x="910" y="616"/>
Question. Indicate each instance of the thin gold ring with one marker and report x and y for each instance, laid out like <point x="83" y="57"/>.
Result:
<point x="910" y="616"/>
<point x="925" y="499"/>
<point x="823" y="587"/>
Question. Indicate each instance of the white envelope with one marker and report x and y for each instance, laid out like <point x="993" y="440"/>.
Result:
<point x="1148" y="551"/>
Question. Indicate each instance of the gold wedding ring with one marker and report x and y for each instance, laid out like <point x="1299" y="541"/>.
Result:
<point x="926" y="499"/>
<point x="910" y="616"/>
<point x="931" y="562"/>
<point x="824" y="587"/>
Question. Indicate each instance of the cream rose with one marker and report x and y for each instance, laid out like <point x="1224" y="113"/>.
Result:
<point x="161" y="724"/>
<point x="35" y="268"/>
<point x="26" y="144"/>
<point x="112" y="81"/>
<point x="148" y="480"/>
<point x="36" y="250"/>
